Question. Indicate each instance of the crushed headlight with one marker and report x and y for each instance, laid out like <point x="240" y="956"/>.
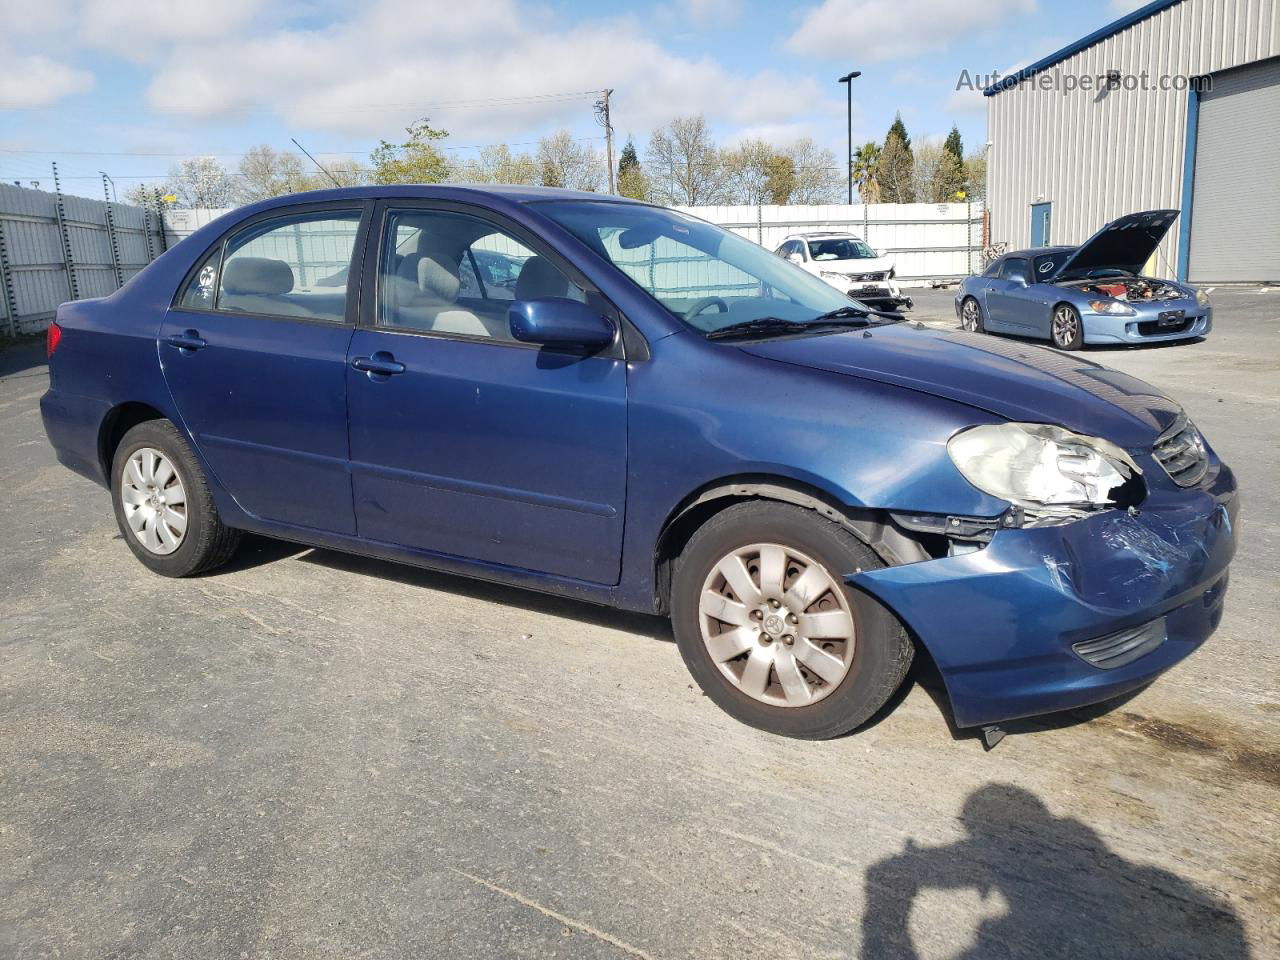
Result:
<point x="1113" y="307"/>
<point x="828" y="275"/>
<point x="1202" y="298"/>
<point x="1039" y="465"/>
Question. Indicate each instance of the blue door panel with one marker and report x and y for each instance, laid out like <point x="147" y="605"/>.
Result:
<point x="491" y="452"/>
<point x="1041" y="224"/>
<point x="265" y="402"/>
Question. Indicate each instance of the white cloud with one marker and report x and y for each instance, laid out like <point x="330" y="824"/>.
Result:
<point x="36" y="81"/>
<point x="889" y="29"/>
<point x="388" y="64"/>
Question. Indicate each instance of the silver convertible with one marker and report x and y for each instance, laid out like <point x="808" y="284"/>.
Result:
<point x="1093" y="293"/>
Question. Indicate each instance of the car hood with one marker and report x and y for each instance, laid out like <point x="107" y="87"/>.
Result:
<point x="1124" y="244"/>
<point x="1014" y="380"/>
<point x="861" y="265"/>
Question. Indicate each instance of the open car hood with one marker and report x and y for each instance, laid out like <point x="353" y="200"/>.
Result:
<point x="1014" y="380"/>
<point x="1123" y="244"/>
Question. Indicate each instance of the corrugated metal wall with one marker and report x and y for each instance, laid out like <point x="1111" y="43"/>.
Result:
<point x="34" y="277"/>
<point x="1096" y="157"/>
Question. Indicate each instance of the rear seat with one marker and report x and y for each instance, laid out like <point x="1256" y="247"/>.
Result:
<point x="259" y="285"/>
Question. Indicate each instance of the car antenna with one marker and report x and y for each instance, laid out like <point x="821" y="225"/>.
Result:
<point x="316" y="162"/>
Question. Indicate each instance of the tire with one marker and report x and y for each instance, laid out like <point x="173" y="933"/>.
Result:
<point x="193" y="539"/>
<point x="881" y="650"/>
<point x="1065" y="329"/>
<point x="975" y="322"/>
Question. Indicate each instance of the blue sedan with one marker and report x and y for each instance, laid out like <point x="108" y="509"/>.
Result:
<point x="648" y="412"/>
<point x="1094" y="293"/>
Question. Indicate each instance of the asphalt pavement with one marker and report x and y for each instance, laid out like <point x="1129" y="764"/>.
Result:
<point x="315" y="755"/>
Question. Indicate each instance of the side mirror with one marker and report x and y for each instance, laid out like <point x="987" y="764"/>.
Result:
<point x="560" y="322"/>
<point x="1020" y="278"/>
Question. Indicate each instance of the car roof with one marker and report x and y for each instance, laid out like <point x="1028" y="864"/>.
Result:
<point x="518" y="193"/>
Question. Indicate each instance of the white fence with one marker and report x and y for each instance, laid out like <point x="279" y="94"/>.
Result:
<point x="55" y="248"/>
<point x="929" y="242"/>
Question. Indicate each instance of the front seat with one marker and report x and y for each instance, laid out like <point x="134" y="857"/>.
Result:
<point x="539" y="279"/>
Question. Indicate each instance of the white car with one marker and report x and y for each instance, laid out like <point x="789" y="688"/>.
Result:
<point x="847" y="263"/>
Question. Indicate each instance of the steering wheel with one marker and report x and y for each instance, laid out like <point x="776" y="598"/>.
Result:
<point x="700" y="305"/>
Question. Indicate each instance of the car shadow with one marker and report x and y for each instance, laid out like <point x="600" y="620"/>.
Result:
<point x="1091" y="347"/>
<point x="1048" y="887"/>
<point x="256" y="551"/>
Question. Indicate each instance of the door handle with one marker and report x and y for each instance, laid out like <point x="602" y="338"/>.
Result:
<point x="188" y="340"/>
<point x="379" y="366"/>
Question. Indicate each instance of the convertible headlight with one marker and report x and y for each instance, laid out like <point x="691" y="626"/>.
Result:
<point x="1038" y="465"/>
<point x="1113" y="307"/>
<point x="1202" y="298"/>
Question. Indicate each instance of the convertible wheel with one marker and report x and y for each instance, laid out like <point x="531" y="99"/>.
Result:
<point x="971" y="316"/>
<point x="1068" y="332"/>
<point x="163" y="505"/>
<point x="770" y="631"/>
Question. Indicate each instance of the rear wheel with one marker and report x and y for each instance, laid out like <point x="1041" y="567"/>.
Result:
<point x="771" y="632"/>
<point x="971" y="316"/>
<point x="163" y="505"/>
<point x="1066" y="328"/>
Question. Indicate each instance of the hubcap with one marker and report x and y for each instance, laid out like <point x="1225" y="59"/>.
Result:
<point x="1064" y="326"/>
<point x="154" y="501"/>
<point x="776" y="625"/>
<point x="969" y="316"/>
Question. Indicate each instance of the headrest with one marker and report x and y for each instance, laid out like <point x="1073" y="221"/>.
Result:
<point x="257" y="275"/>
<point x="538" y="279"/>
<point x="438" y="276"/>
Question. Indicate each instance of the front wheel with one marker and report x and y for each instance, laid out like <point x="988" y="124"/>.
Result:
<point x="1067" y="330"/>
<point x="769" y="629"/>
<point x="971" y="316"/>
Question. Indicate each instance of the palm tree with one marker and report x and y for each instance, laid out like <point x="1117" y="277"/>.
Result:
<point x="864" y="172"/>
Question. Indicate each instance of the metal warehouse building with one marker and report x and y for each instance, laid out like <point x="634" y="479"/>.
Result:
<point x="1176" y="105"/>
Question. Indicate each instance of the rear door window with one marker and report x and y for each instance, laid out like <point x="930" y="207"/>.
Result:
<point x="295" y="266"/>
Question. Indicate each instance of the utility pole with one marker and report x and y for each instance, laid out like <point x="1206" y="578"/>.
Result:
<point x="602" y="118"/>
<point x="847" y="80"/>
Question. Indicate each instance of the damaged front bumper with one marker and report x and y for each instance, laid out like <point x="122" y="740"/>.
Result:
<point x="1043" y="619"/>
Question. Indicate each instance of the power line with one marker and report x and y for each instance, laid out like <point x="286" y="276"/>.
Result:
<point x="323" y="153"/>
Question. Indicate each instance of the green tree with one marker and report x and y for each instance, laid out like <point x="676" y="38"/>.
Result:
<point x="265" y="173"/>
<point x="954" y="145"/>
<point x="631" y="179"/>
<point x="865" y="160"/>
<point x="780" y="178"/>
<point x="975" y="175"/>
<point x="895" y="171"/>
<point x="899" y="129"/>
<point x="564" y="162"/>
<point x="417" y="160"/>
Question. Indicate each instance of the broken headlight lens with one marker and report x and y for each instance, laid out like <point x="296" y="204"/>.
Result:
<point x="1038" y="465"/>
<point x="1202" y="298"/>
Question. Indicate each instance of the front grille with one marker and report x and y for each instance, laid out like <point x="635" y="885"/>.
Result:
<point x="1181" y="451"/>
<point x="1117" y="649"/>
<point x="866" y="277"/>
<point x="1154" y="328"/>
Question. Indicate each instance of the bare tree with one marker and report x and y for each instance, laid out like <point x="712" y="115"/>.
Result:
<point x="746" y="172"/>
<point x="564" y="162"/>
<point x="265" y="173"/>
<point x="497" y="164"/>
<point x="817" y="178"/>
<point x="684" y="165"/>
<point x="201" y="182"/>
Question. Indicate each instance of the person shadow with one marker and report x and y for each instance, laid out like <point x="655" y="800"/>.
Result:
<point x="1049" y="887"/>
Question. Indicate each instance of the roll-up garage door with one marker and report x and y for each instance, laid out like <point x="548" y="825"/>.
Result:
<point x="1235" y="203"/>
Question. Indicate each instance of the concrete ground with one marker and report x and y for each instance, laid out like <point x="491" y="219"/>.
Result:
<point x="314" y="755"/>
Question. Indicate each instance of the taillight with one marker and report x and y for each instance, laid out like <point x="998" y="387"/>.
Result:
<point x="53" y="337"/>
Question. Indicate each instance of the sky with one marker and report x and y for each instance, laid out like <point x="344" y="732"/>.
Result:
<point x="132" y="87"/>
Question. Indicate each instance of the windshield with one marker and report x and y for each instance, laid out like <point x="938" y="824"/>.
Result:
<point x="1050" y="263"/>
<point x="842" y="248"/>
<point x="705" y="276"/>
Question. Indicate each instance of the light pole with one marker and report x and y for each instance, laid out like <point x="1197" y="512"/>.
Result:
<point x="847" y="79"/>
